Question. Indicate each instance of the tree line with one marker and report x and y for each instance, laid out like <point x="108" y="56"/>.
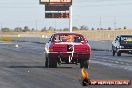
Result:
<point x="27" y="29"/>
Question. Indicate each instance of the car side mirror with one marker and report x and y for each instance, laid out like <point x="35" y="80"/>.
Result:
<point x="116" y="39"/>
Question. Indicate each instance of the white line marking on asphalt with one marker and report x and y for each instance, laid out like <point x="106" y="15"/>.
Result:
<point x="122" y="62"/>
<point x="112" y="61"/>
<point x="127" y="64"/>
<point x="117" y="62"/>
<point x="104" y="60"/>
<point x="5" y="43"/>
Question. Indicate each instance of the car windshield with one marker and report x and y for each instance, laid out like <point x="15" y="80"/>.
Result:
<point x="126" y="39"/>
<point x="68" y="38"/>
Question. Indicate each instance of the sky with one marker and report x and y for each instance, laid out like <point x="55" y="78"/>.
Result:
<point x="93" y="13"/>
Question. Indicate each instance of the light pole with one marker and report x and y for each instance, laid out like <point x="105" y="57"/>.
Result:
<point x="1" y="27"/>
<point x="70" y="18"/>
<point x="115" y="23"/>
<point x="100" y="22"/>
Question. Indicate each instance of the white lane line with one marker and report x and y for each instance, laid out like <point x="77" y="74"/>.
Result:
<point x="103" y="60"/>
<point x="114" y="65"/>
<point x="117" y="62"/>
<point x="5" y="43"/>
<point x="122" y="62"/>
<point x="127" y="64"/>
<point x="112" y="61"/>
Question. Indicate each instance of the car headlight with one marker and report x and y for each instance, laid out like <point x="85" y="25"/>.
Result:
<point x="120" y="47"/>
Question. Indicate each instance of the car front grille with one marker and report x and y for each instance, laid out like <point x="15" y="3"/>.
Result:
<point x="128" y="47"/>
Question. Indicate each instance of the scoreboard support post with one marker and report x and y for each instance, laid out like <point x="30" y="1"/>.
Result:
<point x="70" y="19"/>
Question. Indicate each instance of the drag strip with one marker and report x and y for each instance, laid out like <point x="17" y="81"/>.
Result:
<point x="23" y="67"/>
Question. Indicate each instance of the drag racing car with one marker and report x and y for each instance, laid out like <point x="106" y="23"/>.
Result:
<point x="122" y="44"/>
<point x="67" y="48"/>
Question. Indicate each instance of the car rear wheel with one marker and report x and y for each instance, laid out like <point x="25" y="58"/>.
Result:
<point x="84" y="64"/>
<point x="46" y="63"/>
<point x="118" y="53"/>
<point x="52" y="63"/>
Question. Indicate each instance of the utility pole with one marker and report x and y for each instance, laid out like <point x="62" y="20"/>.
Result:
<point x="1" y="26"/>
<point x="36" y="24"/>
<point x="115" y="23"/>
<point x="70" y="21"/>
<point x="55" y="25"/>
<point x="100" y="22"/>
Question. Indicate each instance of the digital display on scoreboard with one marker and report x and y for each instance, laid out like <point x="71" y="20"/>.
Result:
<point x="56" y="8"/>
<point x="56" y="15"/>
<point x="56" y="2"/>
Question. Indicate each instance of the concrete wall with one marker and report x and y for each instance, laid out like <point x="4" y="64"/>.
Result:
<point x="101" y="45"/>
<point x="98" y="39"/>
<point x="104" y="34"/>
<point x="95" y="45"/>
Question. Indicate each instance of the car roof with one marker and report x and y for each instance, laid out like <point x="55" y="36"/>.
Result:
<point x="69" y="33"/>
<point x="125" y="35"/>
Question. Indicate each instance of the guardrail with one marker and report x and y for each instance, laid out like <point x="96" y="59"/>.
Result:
<point x="104" y="34"/>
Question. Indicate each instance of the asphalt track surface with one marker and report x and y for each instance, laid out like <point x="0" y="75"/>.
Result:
<point x="23" y="67"/>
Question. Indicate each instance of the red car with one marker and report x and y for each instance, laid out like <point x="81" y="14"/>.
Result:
<point x="67" y="48"/>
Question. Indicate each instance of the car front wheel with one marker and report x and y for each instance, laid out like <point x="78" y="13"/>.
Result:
<point x="118" y="53"/>
<point x="113" y="52"/>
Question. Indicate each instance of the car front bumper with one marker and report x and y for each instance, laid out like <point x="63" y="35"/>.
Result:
<point x="124" y="50"/>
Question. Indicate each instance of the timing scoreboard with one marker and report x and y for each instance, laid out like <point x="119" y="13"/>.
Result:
<point x="59" y="2"/>
<point x="56" y="11"/>
<point x="57" y="15"/>
<point x="56" y="8"/>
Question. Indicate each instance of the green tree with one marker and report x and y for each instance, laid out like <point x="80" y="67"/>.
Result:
<point x="32" y="29"/>
<point x="83" y="27"/>
<point x="5" y="29"/>
<point x="26" y="29"/>
<point x="92" y="29"/>
<point x="125" y="27"/>
<point x="109" y="28"/>
<point x="65" y="29"/>
<point x="75" y="28"/>
<point x="43" y="29"/>
<point x="18" y="29"/>
<point x="51" y="28"/>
